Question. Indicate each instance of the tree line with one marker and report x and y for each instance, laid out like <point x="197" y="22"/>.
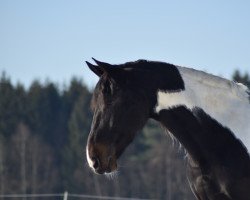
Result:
<point x="43" y="133"/>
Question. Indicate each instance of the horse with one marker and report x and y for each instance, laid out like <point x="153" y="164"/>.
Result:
<point x="207" y="114"/>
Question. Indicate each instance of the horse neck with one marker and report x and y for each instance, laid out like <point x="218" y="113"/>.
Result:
<point x="180" y="123"/>
<point x="223" y="100"/>
<point x="206" y="141"/>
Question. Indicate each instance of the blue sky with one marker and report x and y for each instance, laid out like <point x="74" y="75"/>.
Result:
<point x="52" y="39"/>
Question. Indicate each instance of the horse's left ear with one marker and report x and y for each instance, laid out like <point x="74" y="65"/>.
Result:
<point x="112" y="71"/>
<point x="100" y="68"/>
<point x="105" y="67"/>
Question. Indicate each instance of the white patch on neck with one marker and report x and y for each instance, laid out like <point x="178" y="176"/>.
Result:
<point x="90" y="162"/>
<point x="225" y="101"/>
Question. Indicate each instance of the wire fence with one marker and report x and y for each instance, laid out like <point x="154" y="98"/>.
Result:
<point x="66" y="196"/>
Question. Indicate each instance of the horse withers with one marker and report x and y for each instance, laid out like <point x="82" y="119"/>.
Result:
<point x="207" y="114"/>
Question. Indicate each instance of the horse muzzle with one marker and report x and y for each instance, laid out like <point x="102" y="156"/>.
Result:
<point x="107" y="166"/>
<point x="101" y="162"/>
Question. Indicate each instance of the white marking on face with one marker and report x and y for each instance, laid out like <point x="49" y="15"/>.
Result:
<point x="90" y="162"/>
<point x="223" y="100"/>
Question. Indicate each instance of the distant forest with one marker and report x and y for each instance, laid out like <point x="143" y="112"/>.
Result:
<point x="43" y="132"/>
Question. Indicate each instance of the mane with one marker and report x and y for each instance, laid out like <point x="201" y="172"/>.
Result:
<point x="238" y="89"/>
<point x="210" y="80"/>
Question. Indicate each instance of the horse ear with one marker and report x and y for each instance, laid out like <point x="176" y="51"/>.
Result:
<point x="102" y="67"/>
<point x="107" y="68"/>
<point x="102" y="64"/>
<point x="94" y="68"/>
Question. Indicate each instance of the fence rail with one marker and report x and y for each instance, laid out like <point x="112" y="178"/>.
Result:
<point x="66" y="195"/>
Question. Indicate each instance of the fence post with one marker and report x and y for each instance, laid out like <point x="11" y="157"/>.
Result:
<point x="65" y="195"/>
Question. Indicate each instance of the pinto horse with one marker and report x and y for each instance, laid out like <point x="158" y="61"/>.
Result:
<point x="208" y="115"/>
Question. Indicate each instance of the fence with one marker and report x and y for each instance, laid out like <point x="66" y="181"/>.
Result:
<point x="66" y="195"/>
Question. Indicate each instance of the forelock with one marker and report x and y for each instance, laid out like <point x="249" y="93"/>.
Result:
<point x="103" y="83"/>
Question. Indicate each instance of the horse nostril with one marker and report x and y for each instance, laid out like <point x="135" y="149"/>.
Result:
<point x="96" y="163"/>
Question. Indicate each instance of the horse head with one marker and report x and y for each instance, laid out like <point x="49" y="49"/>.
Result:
<point x="120" y="109"/>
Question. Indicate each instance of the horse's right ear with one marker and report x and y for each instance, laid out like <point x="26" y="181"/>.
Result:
<point x="95" y="68"/>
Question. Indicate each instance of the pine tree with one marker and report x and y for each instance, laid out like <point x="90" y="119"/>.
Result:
<point x="78" y="100"/>
<point x="8" y="114"/>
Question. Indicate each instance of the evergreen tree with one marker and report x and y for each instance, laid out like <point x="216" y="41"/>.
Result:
<point x="44" y="105"/>
<point x="78" y="126"/>
<point x="8" y="112"/>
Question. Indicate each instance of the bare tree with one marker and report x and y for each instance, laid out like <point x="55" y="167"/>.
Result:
<point x="21" y="141"/>
<point x="31" y="166"/>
